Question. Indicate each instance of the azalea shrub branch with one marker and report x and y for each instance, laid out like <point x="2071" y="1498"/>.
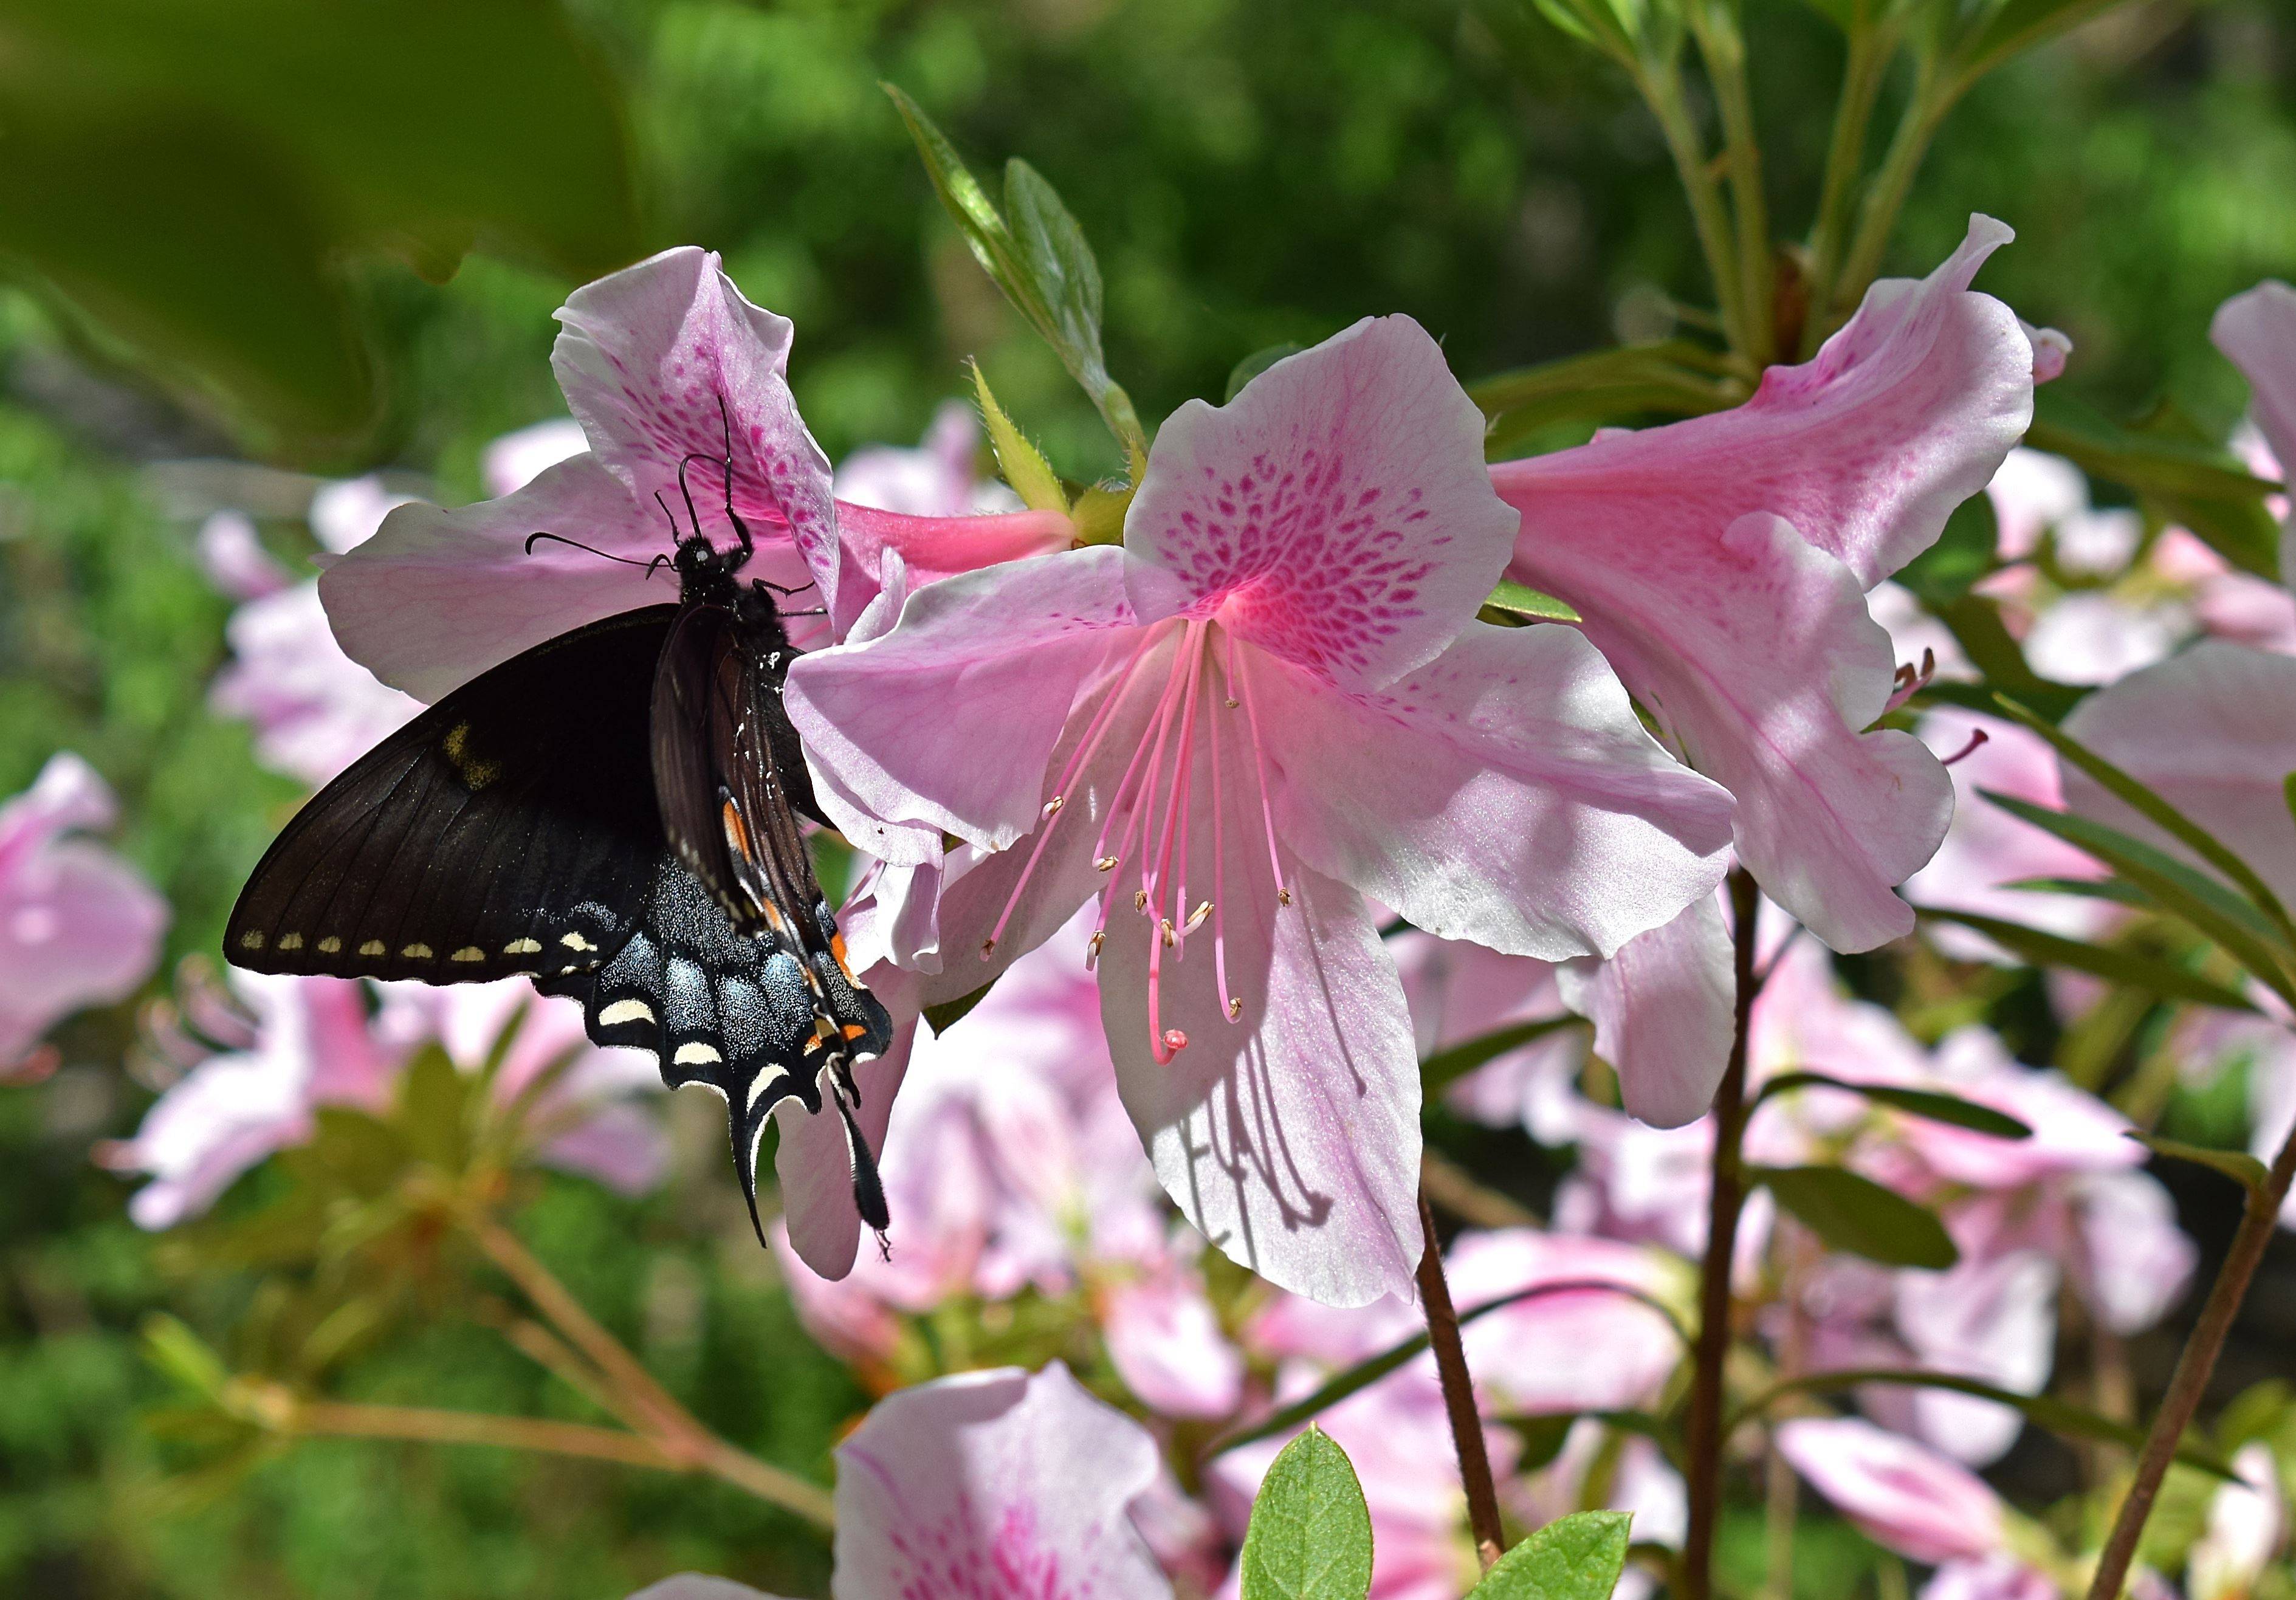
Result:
<point x="1459" y="1396"/>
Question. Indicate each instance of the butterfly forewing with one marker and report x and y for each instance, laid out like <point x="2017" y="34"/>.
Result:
<point x="510" y="828"/>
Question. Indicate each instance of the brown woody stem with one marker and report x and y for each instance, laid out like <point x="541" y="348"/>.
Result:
<point x="1459" y="1396"/>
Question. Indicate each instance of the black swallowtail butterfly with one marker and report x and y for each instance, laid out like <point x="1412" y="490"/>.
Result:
<point x="614" y="815"/>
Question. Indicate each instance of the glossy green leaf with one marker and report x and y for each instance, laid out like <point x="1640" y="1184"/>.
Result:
<point x="941" y="1017"/>
<point x="1440" y="1071"/>
<point x="1577" y="1558"/>
<point x="1257" y="363"/>
<point x="2114" y="964"/>
<point x="1675" y="378"/>
<point x="1309" y="1538"/>
<point x="2237" y="1165"/>
<point x="1022" y="464"/>
<point x="1930" y="1104"/>
<point x="1857" y="1215"/>
<point x="2181" y="891"/>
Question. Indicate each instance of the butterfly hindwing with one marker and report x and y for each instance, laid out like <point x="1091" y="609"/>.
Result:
<point x="512" y="828"/>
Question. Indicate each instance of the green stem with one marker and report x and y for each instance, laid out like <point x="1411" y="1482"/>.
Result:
<point x="1723" y="48"/>
<point x="1704" y="1432"/>
<point x="1877" y="219"/>
<point x="1661" y="83"/>
<point x="1862" y="75"/>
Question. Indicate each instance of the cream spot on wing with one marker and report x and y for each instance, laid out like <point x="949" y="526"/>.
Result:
<point x="251" y="941"/>
<point x="624" y="1010"/>
<point x="696" y="1054"/>
<point x="373" y="946"/>
<point x="330" y="945"/>
<point x="290" y="941"/>
<point x="468" y="953"/>
<point x="575" y="941"/>
<point x="416" y="952"/>
<point x="522" y="947"/>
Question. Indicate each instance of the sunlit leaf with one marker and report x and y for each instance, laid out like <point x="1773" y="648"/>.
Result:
<point x="1309" y="1538"/>
<point x="1930" y="1104"/>
<point x="2237" y="1165"/>
<point x="1976" y="626"/>
<point x="1576" y="1557"/>
<point x="1022" y="464"/>
<point x="1857" y="1215"/>
<point x="1964" y="553"/>
<point x="1525" y="600"/>
<point x="1440" y="1071"/>
<point x="2116" y="965"/>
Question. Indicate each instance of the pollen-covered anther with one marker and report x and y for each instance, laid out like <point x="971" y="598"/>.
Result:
<point x="1235" y="1010"/>
<point x="1165" y="932"/>
<point x="1092" y="950"/>
<point x="1282" y="895"/>
<point x="1196" y="917"/>
<point x="987" y="949"/>
<point x="1233" y="702"/>
<point x="1106" y="864"/>
<point x="1139" y="899"/>
<point x="1053" y="805"/>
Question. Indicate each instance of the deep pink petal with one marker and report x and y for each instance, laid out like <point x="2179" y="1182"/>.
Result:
<point x="935" y="547"/>
<point x="995" y="1484"/>
<point x="1865" y="449"/>
<point x="1757" y="652"/>
<point x="1664" y="1009"/>
<point x="647" y="357"/>
<point x="1504" y="793"/>
<point x="949" y="719"/>
<point x="1338" y="507"/>
<point x="2213" y="730"/>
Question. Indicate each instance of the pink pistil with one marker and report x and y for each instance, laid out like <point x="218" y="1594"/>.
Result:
<point x="1176" y="810"/>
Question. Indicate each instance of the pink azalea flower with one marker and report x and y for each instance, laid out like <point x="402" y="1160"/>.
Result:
<point x="1987" y="849"/>
<point x="315" y="710"/>
<point x="231" y="552"/>
<point x="2257" y="332"/>
<point x="509" y="463"/>
<point x="1459" y="991"/>
<point x="995" y="1484"/>
<point x="1271" y="702"/>
<point x="1009" y="1165"/>
<point x="311" y="1043"/>
<point x="938" y="478"/>
<point x="2214" y="731"/>
<point x="647" y="358"/>
<point x="1721" y="564"/>
<point x="78" y="926"/>
<point x="2248" y="1523"/>
<point x="1904" y="1496"/>
<point x="2031" y="492"/>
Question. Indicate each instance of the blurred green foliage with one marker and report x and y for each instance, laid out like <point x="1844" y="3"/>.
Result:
<point x="1249" y="173"/>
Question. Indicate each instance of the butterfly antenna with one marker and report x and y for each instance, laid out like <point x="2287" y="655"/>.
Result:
<point x="783" y="588"/>
<point x="725" y="426"/>
<point x="559" y="538"/>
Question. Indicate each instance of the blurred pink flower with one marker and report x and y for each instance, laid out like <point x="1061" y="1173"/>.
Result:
<point x="1987" y="848"/>
<point x="313" y="1042"/>
<point x="78" y="926"/>
<point x="995" y="1484"/>
<point x="1905" y="1496"/>
<point x="2257" y="332"/>
<point x="2031" y="492"/>
<point x="939" y="478"/>
<point x="1273" y="1077"/>
<point x="647" y="357"/>
<point x="1721" y="564"/>
<point x="515" y="460"/>
<point x="2247" y="1525"/>
<point x="231" y="553"/>
<point x="1009" y="1164"/>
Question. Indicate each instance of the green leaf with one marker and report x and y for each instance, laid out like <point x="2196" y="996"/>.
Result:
<point x="1964" y="553"/>
<point x="2066" y="1421"/>
<point x="1036" y="254"/>
<point x="1675" y="378"/>
<point x="1257" y="363"/>
<point x="433" y="1103"/>
<point x="1023" y="465"/>
<point x="942" y="1017"/>
<point x="1920" y="1102"/>
<point x="2019" y="24"/>
<point x="2115" y="965"/>
<point x="1857" y="1215"/>
<point x="1310" y="1533"/>
<point x="1577" y="1558"/>
<point x="2179" y="889"/>
<point x="171" y="1346"/>
<point x="1525" y="600"/>
<point x="1440" y="1071"/>
<point x="2147" y="803"/>
<point x="2237" y="1165"/>
<point x="197" y="179"/>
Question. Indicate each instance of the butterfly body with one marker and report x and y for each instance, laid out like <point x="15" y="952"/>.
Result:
<point x="613" y="813"/>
